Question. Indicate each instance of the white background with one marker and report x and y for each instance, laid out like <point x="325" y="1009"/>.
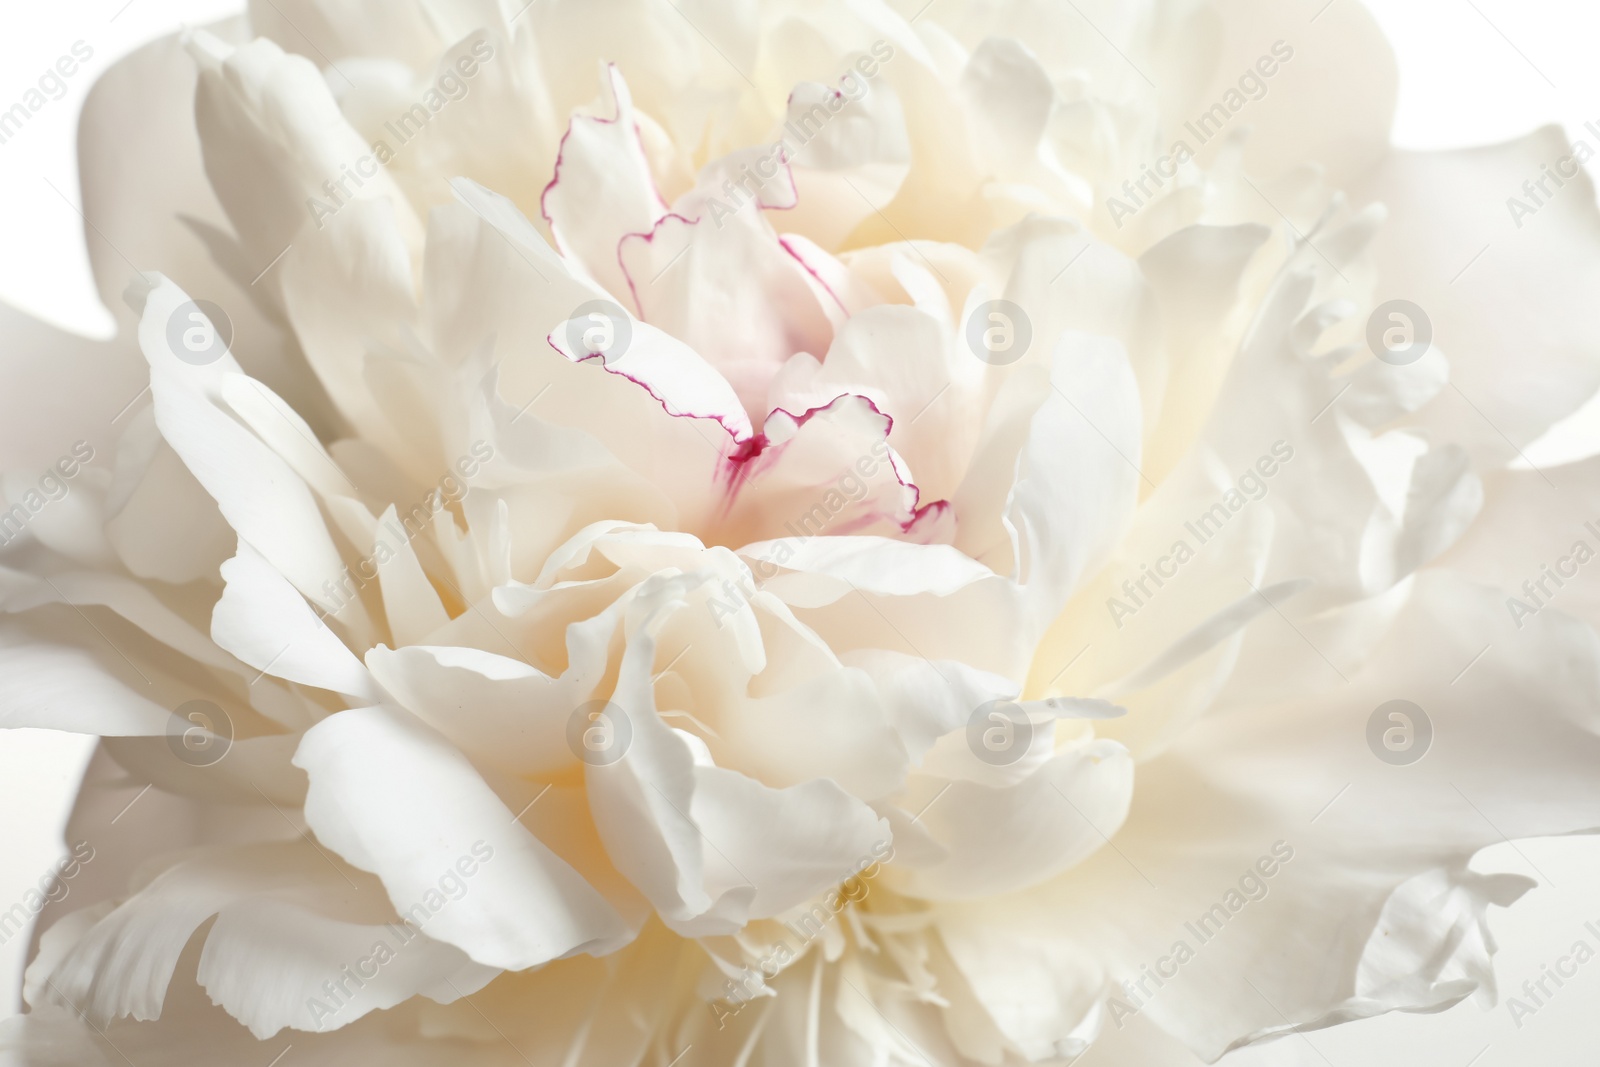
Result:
<point x="1472" y="72"/>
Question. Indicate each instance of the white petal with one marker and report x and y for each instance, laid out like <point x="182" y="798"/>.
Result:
<point x="262" y="620"/>
<point x="60" y="687"/>
<point x="498" y="710"/>
<point x="728" y="288"/>
<point x="393" y="797"/>
<point x="602" y="188"/>
<point x="1002" y="839"/>
<point x="257" y="492"/>
<point x="1436" y="227"/>
<point x="269" y="964"/>
<point x="411" y="603"/>
<point x="1294" y="787"/>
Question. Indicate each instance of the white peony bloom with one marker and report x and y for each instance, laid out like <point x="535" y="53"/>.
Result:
<point x="789" y="534"/>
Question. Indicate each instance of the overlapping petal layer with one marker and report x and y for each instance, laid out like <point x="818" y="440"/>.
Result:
<point x="821" y="551"/>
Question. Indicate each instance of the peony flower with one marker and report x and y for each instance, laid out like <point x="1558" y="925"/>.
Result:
<point x="721" y="534"/>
